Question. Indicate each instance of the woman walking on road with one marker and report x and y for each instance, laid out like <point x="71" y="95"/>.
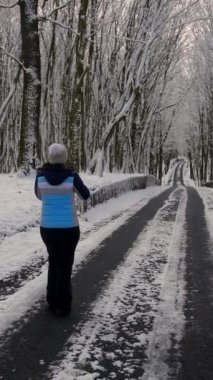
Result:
<point x="55" y="186"/>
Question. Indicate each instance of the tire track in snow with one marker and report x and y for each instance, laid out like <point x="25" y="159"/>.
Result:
<point x="163" y="351"/>
<point x="126" y="325"/>
<point x="197" y="344"/>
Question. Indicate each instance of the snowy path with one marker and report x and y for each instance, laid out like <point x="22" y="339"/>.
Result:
<point x="140" y="287"/>
<point x="89" y="274"/>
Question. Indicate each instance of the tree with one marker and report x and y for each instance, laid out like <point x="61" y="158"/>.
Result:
<point x="107" y="71"/>
<point x="29" y="141"/>
<point x="200" y="135"/>
<point x="29" y="152"/>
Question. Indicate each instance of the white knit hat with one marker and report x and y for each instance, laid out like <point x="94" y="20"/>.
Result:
<point x="57" y="154"/>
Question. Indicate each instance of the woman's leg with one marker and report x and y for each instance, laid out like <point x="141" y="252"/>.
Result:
<point x="51" y="240"/>
<point x="68" y="242"/>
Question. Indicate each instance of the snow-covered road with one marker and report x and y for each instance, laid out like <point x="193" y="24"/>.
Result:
<point x="134" y="323"/>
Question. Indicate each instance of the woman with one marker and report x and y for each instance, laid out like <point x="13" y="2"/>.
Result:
<point x="55" y="186"/>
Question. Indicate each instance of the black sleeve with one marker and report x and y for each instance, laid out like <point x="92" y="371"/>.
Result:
<point x="80" y="188"/>
<point x="37" y="192"/>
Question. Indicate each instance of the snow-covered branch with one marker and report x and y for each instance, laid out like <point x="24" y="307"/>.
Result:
<point x="9" y="6"/>
<point x="27" y="70"/>
<point x="208" y="18"/>
<point x="185" y="9"/>
<point x="14" y="58"/>
<point x="4" y="106"/>
<point x="106" y="71"/>
<point x="167" y="107"/>
<point x="59" y="7"/>
<point x="46" y="18"/>
<point x="123" y="39"/>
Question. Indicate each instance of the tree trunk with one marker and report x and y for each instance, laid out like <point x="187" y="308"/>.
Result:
<point x="211" y="154"/>
<point x="160" y="170"/>
<point x="191" y="166"/>
<point x="1" y="72"/>
<point x="29" y="148"/>
<point x="77" y="113"/>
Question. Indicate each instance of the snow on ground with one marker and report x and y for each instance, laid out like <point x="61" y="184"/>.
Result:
<point x="131" y="300"/>
<point x="186" y="175"/>
<point x="19" y="208"/>
<point x="168" y="177"/>
<point x="169" y="321"/>
<point x="207" y="196"/>
<point x="150" y="282"/>
<point x="20" y="212"/>
<point x="21" y="245"/>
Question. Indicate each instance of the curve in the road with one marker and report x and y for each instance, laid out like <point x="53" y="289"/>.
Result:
<point x="179" y="167"/>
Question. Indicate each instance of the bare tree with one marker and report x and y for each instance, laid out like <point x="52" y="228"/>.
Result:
<point x="30" y="140"/>
<point x="200" y="140"/>
<point x="107" y="71"/>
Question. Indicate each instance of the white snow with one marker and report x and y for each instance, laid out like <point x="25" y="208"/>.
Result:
<point x="186" y="174"/>
<point x="168" y="177"/>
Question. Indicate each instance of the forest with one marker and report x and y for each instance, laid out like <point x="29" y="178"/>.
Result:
<point x="126" y="85"/>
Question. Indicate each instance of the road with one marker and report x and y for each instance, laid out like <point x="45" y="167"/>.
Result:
<point x="142" y="303"/>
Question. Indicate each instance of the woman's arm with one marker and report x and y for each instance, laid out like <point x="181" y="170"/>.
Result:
<point x="80" y="188"/>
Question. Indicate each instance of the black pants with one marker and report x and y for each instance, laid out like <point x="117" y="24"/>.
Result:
<point x="61" y="244"/>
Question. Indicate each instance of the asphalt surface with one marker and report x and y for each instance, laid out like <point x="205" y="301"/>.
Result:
<point x="197" y="345"/>
<point x="43" y="336"/>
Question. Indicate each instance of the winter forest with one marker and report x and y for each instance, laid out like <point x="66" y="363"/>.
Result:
<point x="126" y="85"/>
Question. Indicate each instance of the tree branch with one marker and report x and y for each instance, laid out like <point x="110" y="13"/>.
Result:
<point x="3" y="108"/>
<point x="123" y="38"/>
<point x="43" y="5"/>
<point x="185" y="9"/>
<point x="198" y="19"/>
<point x="14" y="58"/>
<point x="60" y="7"/>
<point x="45" y="18"/>
<point x="9" y="6"/>
<point x="166" y="107"/>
